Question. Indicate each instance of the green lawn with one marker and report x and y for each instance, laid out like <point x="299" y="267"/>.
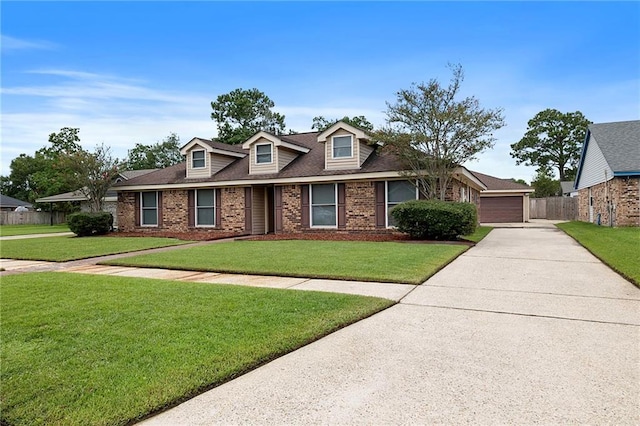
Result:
<point x="617" y="247"/>
<point x="62" y="249"/>
<point x="10" y="230"/>
<point x="481" y="232"/>
<point x="389" y="262"/>
<point x="103" y="350"/>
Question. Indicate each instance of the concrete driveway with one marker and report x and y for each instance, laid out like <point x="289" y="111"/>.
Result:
<point x="526" y="327"/>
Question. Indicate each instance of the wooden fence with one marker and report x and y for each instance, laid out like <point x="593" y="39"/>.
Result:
<point x="31" y="218"/>
<point x="555" y="208"/>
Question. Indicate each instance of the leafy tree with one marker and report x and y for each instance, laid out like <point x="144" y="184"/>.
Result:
<point x="241" y="113"/>
<point x="433" y="133"/>
<point x="93" y="173"/>
<point x="545" y="185"/>
<point x="43" y="174"/>
<point x="321" y="124"/>
<point x="553" y="140"/>
<point x="157" y="156"/>
<point x="520" y="181"/>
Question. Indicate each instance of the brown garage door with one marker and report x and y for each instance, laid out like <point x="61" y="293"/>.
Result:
<point x="501" y="209"/>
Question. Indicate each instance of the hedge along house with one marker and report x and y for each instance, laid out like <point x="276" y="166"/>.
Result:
<point x="608" y="177"/>
<point x="334" y="181"/>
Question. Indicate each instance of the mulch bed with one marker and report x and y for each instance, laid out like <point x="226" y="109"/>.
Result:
<point x="315" y="236"/>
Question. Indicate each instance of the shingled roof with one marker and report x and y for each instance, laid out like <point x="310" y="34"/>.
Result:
<point x="305" y="165"/>
<point x="497" y="184"/>
<point x="619" y="143"/>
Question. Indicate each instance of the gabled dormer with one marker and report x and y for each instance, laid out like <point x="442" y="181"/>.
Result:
<point x="270" y="154"/>
<point x="205" y="158"/>
<point x="346" y="146"/>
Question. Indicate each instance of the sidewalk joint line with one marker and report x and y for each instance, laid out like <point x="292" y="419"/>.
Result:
<point x="522" y="314"/>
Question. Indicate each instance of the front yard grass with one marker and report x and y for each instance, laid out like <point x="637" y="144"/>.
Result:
<point x="365" y="261"/>
<point x="617" y="247"/>
<point x="11" y="230"/>
<point x="62" y="249"/>
<point x="479" y="234"/>
<point x="103" y="350"/>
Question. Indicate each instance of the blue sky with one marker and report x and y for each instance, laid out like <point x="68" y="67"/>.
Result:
<point x="132" y="72"/>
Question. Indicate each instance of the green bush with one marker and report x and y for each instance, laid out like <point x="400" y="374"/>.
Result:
<point x="435" y="220"/>
<point x="84" y="224"/>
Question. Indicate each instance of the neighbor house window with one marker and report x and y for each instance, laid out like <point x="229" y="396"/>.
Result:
<point x="205" y="207"/>
<point x="398" y="191"/>
<point x="263" y="154"/>
<point x="149" y="208"/>
<point x="197" y="159"/>
<point x="323" y="205"/>
<point x="342" y="146"/>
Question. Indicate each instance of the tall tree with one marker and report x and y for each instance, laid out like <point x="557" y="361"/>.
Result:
<point x="321" y="124"/>
<point x="553" y="140"/>
<point x="94" y="173"/>
<point x="241" y="113"/>
<point x="433" y="133"/>
<point x="157" y="156"/>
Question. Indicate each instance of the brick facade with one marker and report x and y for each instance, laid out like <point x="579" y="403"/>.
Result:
<point x="360" y="210"/>
<point x="624" y="193"/>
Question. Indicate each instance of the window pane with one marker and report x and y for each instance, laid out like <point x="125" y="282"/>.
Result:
<point x="149" y="217"/>
<point x="323" y="215"/>
<point x="400" y="191"/>
<point x="323" y="194"/>
<point x="149" y="199"/>
<point x="205" y="197"/>
<point x="390" y="220"/>
<point x="263" y="154"/>
<point x="205" y="216"/>
<point x="198" y="158"/>
<point x="342" y="146"/>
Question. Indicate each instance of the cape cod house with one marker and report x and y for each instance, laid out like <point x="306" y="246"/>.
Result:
<point x="335" y="181"/>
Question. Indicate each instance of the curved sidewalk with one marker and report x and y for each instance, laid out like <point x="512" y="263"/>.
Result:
<point x="526" y="327"/>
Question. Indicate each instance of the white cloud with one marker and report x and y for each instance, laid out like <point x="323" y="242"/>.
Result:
<point x="11" y="43"/>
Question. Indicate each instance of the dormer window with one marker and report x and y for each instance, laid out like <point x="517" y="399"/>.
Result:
<point x="198" y="159"/>
<point x="263" y="154"/>
<point x="342" y="146"/>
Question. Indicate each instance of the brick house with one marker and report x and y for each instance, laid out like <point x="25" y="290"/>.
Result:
<point x="332" y="181"/>
<point x="608" y="178"/>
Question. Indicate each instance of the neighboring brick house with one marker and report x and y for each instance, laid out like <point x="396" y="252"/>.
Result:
<point x="334" y="181"/>
<point x="608" y="178"/>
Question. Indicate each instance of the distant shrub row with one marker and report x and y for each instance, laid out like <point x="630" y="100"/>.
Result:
<point x="84" y="224"/>
<point x="435" y="220"/>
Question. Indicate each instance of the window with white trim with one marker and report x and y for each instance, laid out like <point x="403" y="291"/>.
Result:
<point x="398" y="191"/>
<point x="205" y="207"/>
<point x="263" y="153"/>
<point x="198" y="159"/>
<point x="149" y="208"/>
<point x="342" y="146"/>
<point x="324" y="211"/>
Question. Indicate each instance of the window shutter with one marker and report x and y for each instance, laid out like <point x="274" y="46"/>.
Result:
<point x="138" y="211"/>
<point x="381" y="219"/>
<point x="247" y="210"/>
<point x="342" y="211"/>
<point x="159" y="209"/>
<point x="218" y="193"/>
<point x="278" y="207"/>
<point x="191" y="208"/>
<point x="305" y="205"/>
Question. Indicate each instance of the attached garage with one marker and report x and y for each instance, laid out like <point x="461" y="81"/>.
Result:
<point x="503" y="201"/>
<point x="501" y="209"/>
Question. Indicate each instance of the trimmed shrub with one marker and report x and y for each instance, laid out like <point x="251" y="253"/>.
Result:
<point x="435" y="220"/>
<point x="84" y="224"/>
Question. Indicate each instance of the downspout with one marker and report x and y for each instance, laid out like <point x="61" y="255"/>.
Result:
<point x="51" y="213"/>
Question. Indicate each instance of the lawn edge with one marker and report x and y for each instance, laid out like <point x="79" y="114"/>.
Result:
<point x="613" y="268"/>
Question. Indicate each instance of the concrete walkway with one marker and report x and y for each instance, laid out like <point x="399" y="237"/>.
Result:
<point x="527" y="327"/>
<point x="23" y="237"/>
